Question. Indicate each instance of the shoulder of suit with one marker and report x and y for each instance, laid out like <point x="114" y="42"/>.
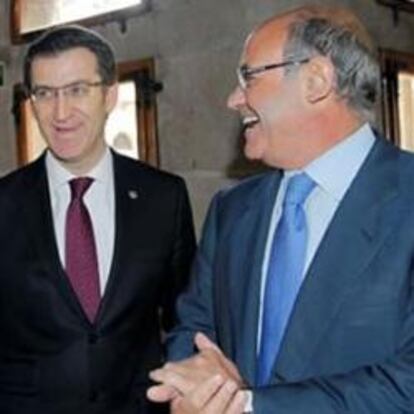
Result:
<point x="406" y="172"/>
<point x="402" y="166"/>
<point x="135" y="169"/>
<point x="23" y="174"/>
<point x="250" y="183"/>
<point x="248" y="187"/>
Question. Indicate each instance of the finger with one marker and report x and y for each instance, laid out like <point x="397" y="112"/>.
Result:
<point x="199" y="397"/>
<point x="193" y="403"/>
<point x="172" y="365"/>
<point x="204" y="342"/>
<point x="214" y="359"/>
<point x="176" y="407"/>
<point x="159" y="374"/>
<point x="194" y="370"/>
<point x="183" y="365"/>
<point x="221" y="400"/>
<point x="237" y="404"/>
<point x="191" y="372"/>
<point x="172" y="379"/>
<point x="155" y="374"/>
<point x="231" y="370"/>
<point x="161" y="393"/>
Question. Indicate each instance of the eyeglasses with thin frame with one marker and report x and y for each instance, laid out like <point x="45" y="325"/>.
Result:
<point x="75" y="91"/>
<point x="246" y="74"/>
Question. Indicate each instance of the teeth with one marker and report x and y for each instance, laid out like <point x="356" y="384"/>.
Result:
<point x="250" y="120"/>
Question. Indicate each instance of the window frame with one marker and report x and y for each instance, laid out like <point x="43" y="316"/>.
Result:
<point x="19" y="34"/>
<point x="135" y="70"/>
<point x="392" y="62"/>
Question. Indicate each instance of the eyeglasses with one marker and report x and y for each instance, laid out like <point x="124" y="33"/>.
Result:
<point x="75" y="91"/>
<point x="246" y="74"/>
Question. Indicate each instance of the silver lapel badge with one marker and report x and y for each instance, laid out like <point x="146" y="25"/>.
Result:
<point x="132" y="194"/>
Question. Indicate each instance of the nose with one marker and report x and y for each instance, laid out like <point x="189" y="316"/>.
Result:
<point x="236" y="99"/>
<point x="61" y="106"/>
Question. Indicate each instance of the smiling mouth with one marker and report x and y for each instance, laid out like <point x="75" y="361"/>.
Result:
<point x="250" y="121"/>
<point x="65" y="129"/>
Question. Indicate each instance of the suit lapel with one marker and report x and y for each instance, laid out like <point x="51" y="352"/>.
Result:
<point x="40" y="231"/>
<point x="249" y="234"/>
<point x="128" y="201"/>
<point x="358" y="229"/>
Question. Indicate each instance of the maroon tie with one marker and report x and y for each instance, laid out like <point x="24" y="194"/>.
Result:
<point x="81" y="259"/>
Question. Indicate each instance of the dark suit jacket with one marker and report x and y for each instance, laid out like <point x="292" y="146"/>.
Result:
<point x="52" y="360"/>
<point x="349" y="345"/>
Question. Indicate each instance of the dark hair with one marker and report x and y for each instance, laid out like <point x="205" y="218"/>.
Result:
<point x="351" y="52"/>
<point x="64" y="38"/>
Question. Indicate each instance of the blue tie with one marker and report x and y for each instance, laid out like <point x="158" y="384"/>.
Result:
<point x="284" y="275"/>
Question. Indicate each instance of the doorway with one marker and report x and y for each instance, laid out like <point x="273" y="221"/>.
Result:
<point x="398" y="97"/>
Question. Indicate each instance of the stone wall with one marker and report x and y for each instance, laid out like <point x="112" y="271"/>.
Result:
<point x="196" y="45"/>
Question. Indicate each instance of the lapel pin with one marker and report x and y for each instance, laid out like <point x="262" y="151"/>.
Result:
<point x="132" y="194"/>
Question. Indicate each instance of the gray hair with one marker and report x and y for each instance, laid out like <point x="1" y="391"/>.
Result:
<point x="351" y="53"/>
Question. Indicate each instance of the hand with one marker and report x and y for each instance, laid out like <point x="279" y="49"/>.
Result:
<point x="213" y="396"/>
<point x="181" y="378"/>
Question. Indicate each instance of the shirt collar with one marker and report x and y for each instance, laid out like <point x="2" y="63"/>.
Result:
<point x="334" y="171"/>
<point x="59" y="176"/>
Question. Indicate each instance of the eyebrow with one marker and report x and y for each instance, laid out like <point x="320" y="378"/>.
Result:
<point x="40" y="85"/>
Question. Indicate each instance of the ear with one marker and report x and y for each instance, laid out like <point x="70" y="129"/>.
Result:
<point x="319" y="79"/>
<point x="111" y="97"/>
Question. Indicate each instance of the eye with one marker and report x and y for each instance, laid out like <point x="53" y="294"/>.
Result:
<point x="42" y="93"/>
<point x="77" y="90"/>
<point x="247" y="74"/>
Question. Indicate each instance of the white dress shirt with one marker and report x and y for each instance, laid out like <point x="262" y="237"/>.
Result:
<point x="100" y="202"/>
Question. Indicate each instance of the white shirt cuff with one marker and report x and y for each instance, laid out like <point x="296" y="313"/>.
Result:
<point x="248" y="407"/>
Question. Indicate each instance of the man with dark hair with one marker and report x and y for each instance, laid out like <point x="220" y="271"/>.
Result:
<point x="302" y="298"/>
<point x="95" y="247"/>
<point x="68" y="37"/>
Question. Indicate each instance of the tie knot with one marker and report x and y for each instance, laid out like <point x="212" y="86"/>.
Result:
<point x="298" y="189"/>
<point x="79" y="186"/>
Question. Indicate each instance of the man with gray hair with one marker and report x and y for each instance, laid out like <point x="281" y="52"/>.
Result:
<point x="302" y="293"/>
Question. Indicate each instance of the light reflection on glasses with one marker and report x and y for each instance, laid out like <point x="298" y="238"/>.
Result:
<point x="246" y="74"/>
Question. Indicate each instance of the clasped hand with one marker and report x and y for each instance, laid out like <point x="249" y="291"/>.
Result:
<point x="206" y="383"/>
